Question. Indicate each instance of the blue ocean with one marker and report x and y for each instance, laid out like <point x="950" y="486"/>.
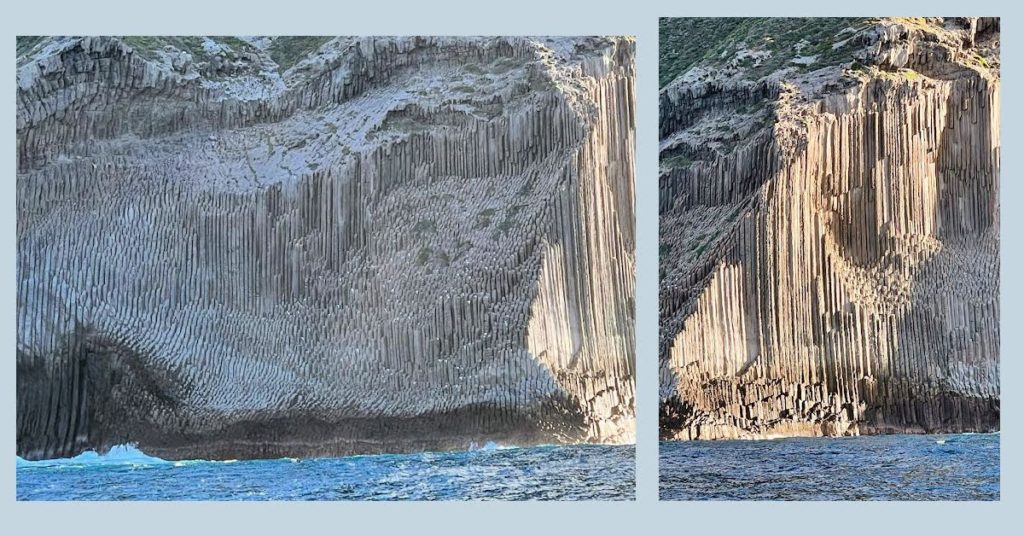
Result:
<point x="961" y="467"/>
<point x="576" y="472"/>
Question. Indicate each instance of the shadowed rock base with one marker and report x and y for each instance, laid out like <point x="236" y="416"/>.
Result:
<point x="105" y="395"/>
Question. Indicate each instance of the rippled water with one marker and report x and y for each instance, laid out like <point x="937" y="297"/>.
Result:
<point x="544" y="473"/>
<point x="894" y="467"/>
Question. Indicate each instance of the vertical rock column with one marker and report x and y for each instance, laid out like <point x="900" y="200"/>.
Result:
<point x="417" y="243"/>
<point x="860" y="294"/>
<point x="582" y="318"/>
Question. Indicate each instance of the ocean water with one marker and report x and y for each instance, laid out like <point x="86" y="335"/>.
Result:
<point x="892" y="467"/>
<point x="576" y="472"/>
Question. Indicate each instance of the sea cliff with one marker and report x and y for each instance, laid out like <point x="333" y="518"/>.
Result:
<point x="829" y="227"/>
<point x="264" y="247"/>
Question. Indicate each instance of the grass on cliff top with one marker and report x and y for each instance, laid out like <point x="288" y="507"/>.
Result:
<point x="676" y="160"/>
<point x="286" y="51"/>
<point x="147" y="45"/>
<point x="26" y="43"/>
<point x="686" y="42"/>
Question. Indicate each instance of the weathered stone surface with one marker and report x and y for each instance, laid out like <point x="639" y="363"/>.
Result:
<point x="270" y="247"/>
<point x="830" y="232"/>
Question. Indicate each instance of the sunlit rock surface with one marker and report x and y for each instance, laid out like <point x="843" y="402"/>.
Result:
<point x="265" y="247"/>
<point x="829" y="227"/>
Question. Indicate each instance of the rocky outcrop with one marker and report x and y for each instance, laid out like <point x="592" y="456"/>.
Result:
<point x="263" y="247"/>
<point x="830" y="230"/>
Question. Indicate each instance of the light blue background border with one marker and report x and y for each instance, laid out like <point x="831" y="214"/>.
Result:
<point x="520" y="17"/>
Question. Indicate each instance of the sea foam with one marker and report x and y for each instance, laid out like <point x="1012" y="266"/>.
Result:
<point x="118" y="455"/>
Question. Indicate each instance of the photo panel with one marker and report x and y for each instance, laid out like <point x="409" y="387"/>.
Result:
<point x="829" y="258"/>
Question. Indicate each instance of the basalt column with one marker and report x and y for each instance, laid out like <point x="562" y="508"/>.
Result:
<point x="385" y="245"/>
<point x="837" y="272"/>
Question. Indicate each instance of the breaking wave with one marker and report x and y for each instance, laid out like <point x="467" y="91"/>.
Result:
<point x="118" y="455"/>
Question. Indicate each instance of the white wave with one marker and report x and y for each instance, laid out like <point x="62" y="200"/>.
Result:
<point x="118" y="455"/>
<point x="489" y="445"/>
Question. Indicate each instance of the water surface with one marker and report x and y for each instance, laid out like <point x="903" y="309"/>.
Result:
<point x="892" y="467"/>
<point x="545" y="473"/>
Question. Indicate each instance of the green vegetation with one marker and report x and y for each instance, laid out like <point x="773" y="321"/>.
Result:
<point x="25" y="43"/>
<point x="735" y="214"/>
<point x="144" y="45"/>
<point x="539" y="81"/>
<point x="484" y="218"/>
<point x="286" y="51"/>
<point x="676" y="161"/>
<point x="147" y="45"/>
<point x="237" y="44"/>
<point x="461" y="247"/>
<point x="702" y="241"/>
<point x="918" y="22"/>
<point x="751" y="107"/>
<point x="425" y="226"/>
<point x="423" y="256"/>
<point x="503" y="65"/>
<point x="685" y="42"/>
<point x="700" y="248"/>
<point x="269" y="141"/>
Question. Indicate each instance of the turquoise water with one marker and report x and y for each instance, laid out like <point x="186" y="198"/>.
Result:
<point x="575" y="472"/>
<point x="893" y="467"/>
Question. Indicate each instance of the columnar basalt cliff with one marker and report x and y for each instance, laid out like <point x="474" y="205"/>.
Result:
<point x="266" y="247"/>
<point x="829" y="227"/>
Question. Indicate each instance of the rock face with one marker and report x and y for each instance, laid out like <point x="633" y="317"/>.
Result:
<point x="268" y="247"/>
<point x="830" y="229"/>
